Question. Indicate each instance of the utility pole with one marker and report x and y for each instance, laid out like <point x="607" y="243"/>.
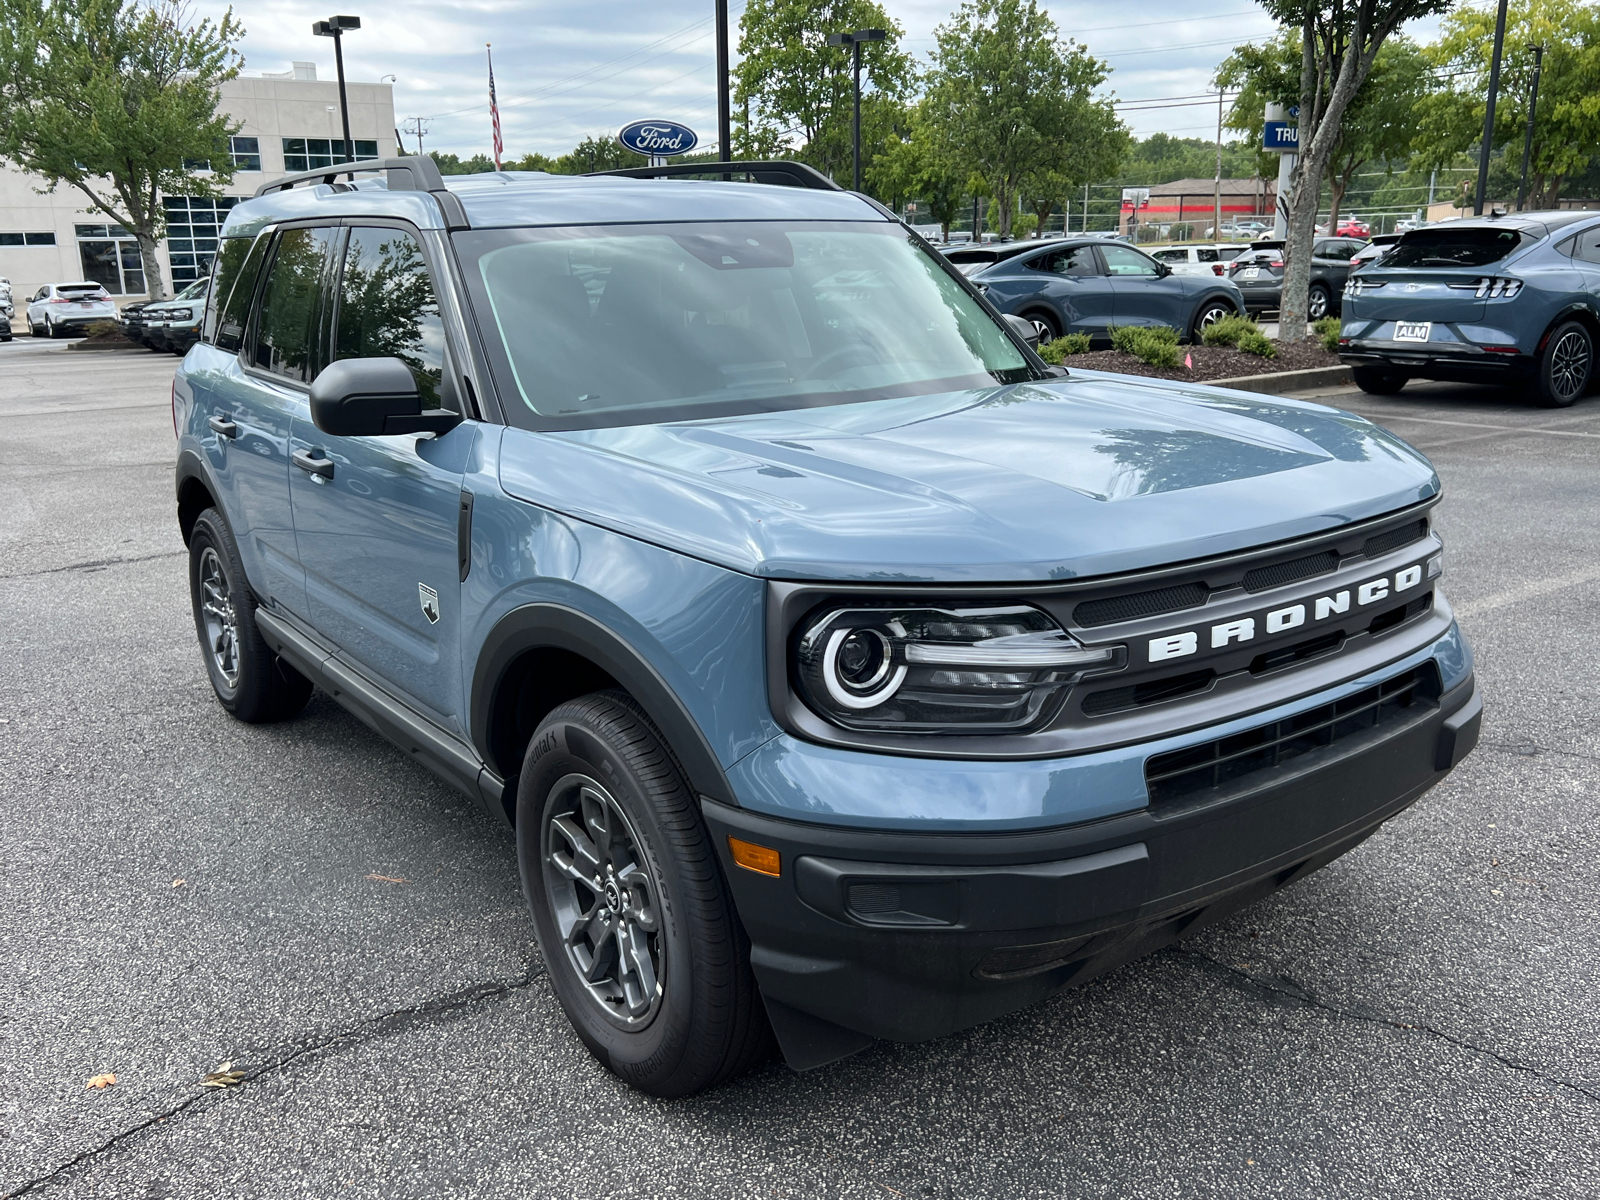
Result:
<point x="1527" y="138"/>
<point x="1216" y="220"/>
<point x="724" y="111"/>
<point x="417" y="126"/>
<point x="1488" y="112"/>
<point x="854" y="41"/>
<point x="1086" y="208"/>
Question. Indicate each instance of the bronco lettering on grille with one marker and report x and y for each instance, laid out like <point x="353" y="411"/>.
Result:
<point x="1283" y="619"/>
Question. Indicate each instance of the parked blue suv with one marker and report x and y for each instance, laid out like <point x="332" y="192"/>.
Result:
<point x="1497" y="299"/>
<point x="843" y="671"/>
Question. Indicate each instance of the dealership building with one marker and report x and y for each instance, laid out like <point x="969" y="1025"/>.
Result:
<point x="288" y="122"/>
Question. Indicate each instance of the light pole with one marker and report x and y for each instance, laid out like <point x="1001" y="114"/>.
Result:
<point x="724" y="112"/>
<point x="854" y="40"/>
<point x="1527" y="138"/>
<point x="1488" y="112"/>
<point x="335" y="27"/>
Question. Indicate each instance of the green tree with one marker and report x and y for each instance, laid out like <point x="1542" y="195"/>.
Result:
<point x="449" y="164"/>
<point x="118" y="100"/>
<point x="790" y="84"/>
<point x="1339" y="42"/>
<point x="1013" y="100"/>
<point x="1378" y="123"/>
<point x="1094" y="149"/>
<point x="917" y="164"/>
<point x="1566" y="134"/>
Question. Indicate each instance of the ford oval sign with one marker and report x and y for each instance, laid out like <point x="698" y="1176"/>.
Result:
<point x="658" y="138"/>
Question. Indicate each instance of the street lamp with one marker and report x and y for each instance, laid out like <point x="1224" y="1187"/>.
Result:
<point x="854" y="40"/>
<point x="335" y="27"/>
<point x="1527" y="139"/>
<point x="1488" y="111"/>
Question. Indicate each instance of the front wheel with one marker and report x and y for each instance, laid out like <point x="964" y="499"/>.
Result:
<point x="1044" y="325"/>
<point x="1565" y="366"/>
<point x="1375" y="382"/>
<point x="1210" y="313"/>
<point x="1318" y="302"/>
<point x="634" y="920"/>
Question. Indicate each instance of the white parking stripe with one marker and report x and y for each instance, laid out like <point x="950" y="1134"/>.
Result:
<point x="1528" y="591"/>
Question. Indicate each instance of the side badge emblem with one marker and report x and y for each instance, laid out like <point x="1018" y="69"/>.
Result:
<point x="430" y="603"/>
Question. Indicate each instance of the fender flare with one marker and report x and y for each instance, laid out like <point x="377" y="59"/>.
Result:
<point x="1575" y="308"/>
<point x="557" y="626"/>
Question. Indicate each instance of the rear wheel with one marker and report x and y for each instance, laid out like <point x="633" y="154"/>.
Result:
<point x="1565" y="367"/>
<point x="634" y="920"/>
<point x="1044" y="324"/>
<point x="251" y="682"/>
<point x="1210" y="313"/>
<point x="1318" y="302"/>
<point x="1376" y="382"/>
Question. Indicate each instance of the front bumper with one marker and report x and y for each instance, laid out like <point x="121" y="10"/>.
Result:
<point x="908" y="936"/>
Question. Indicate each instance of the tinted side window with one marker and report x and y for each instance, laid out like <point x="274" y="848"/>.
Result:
<point x="1588" y="247"/>
<point x="387" y="307"/>
<point x="1126" y="262"/>
<point x="1075" y="260"/>
<point x="228" y="305"/>
<point x="286" y="322"/>
<point x="1206" y="255"/>
<point x="1172" y="256"/>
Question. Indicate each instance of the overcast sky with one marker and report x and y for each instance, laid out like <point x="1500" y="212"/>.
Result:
<point x="565" y="68"/>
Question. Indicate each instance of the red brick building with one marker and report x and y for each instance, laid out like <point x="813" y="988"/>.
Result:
<point x="1193" y="201"/>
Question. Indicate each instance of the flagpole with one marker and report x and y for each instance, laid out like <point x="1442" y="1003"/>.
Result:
<point x="494" y="107"/>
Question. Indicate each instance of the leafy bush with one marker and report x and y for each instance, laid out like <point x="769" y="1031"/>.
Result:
<point x="1257" y="343"/>
<point x="1327" y="332"/>
<point x="1153" y="344"/>
<point x="1068" y="343"/>
<point x="103" y="329"/>
<point x="1228" y="331"/>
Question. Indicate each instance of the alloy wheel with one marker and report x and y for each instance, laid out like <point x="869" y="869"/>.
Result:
<point x="605" y="901"/>
<point x="1214" y="314"/>
<point x="220" y="618"/>
<point x="1569" y="364"/>
<point x="1042" y="329"/>
<point x="1317" y="304"/>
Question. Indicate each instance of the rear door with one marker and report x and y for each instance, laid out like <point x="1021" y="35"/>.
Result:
<point x="377" y="519"/>
<point x="1073" y="281"/>
<point x="1141" y="295"/>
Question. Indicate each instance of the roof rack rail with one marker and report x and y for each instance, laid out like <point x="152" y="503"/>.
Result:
<point x="414" y="173"/>
<point x="770" y="171"/>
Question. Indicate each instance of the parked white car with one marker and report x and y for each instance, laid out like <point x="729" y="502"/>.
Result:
<point x="5" y="309"/>
<point x="58" y="309"/>
<point x="1199" y="260"/>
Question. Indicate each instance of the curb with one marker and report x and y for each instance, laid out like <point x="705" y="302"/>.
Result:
<point x="1278" y="382"/>
<point x="85" y="346"/>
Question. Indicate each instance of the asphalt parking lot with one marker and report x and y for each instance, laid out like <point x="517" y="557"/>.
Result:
<point x="179" y="891"/>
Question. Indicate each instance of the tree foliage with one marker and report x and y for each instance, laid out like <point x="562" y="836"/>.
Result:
<point x="917" y="164"/>
<point x="1017" y="104"/>
<point x="793" y="89"/>
<point x="1339" y="42"/>
<point x="1566" y="134"/>
<point x="114" y="98"/>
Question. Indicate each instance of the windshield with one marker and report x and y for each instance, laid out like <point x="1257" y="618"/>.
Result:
<point x="1452" y="247"/>
<point x="195" y="291"/>
<point x="621" y="325"/>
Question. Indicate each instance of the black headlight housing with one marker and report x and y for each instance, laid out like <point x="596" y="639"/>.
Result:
<point x="930" y="668"/>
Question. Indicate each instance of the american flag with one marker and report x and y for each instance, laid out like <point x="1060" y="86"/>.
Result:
<point x="494" y="110"/>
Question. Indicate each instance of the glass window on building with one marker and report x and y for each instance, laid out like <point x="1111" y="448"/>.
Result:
<point x="246" y="153"/>
<point x="310" y="154"/>
<point x="27" y="239"/>
<point x="110" y="257"/>
<point x="193" y="223"/>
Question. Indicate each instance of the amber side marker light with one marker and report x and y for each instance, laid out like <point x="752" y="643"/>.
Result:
<point x="761" y="859"/>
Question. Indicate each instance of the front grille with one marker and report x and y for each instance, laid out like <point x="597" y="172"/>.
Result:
<point x="1140" y="604"/>
<point x="1278" y="574"/>
<point x="1400" y="615"/>
<point x="1152" y="691"/>
<point x="1380" y="545"/>
<point x="1187" y="775"/>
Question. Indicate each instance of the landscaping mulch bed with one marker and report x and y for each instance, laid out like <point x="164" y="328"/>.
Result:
<point x="1210" y="362"/>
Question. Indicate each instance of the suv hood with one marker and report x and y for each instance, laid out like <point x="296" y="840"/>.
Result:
<point x="1089" y="475"/>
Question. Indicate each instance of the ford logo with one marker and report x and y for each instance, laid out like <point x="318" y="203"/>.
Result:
<point x="660" y="138"/>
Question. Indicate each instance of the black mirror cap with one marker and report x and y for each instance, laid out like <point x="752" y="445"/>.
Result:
<point x="371" y="397"/>
<point x="1024" y="329"/>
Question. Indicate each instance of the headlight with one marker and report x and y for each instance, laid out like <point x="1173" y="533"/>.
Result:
<point x="939" y="669"/>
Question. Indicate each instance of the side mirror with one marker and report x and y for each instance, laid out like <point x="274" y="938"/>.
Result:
<point x="1023" y="329"/>
<point x="1162" y="270"/>
<point x="369" y="397"/>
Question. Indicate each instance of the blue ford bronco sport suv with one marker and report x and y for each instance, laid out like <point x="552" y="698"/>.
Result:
<point x="843" y="671"/>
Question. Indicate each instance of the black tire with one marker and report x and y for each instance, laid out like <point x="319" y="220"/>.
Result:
<point x="1209" y="313"/>
<point x="1375" y="382"/>
<point x="260" y="686"/>
<point x="1044" y="323"/>
<point x="1319" y="302"/>
<point x="703" y="1022"/>
<point x="1566" y="366"/>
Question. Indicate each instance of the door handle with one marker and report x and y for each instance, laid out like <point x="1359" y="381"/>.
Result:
<point x="224" y="427"/>
<point x="311" y="465"/>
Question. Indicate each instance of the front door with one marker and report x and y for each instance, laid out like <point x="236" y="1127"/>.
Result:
<point x="1143" y="296"/>
<point x="1077" y="288"/>
<point x="376" y="518"/>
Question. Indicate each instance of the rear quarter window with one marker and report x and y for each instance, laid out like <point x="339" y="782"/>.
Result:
<point x="1448" y="248"/>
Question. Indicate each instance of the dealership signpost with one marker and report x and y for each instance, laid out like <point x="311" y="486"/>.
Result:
<point x="1281" y="135"/>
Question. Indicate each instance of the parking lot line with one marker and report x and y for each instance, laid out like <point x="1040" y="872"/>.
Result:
<point x="1527" y="591"/>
